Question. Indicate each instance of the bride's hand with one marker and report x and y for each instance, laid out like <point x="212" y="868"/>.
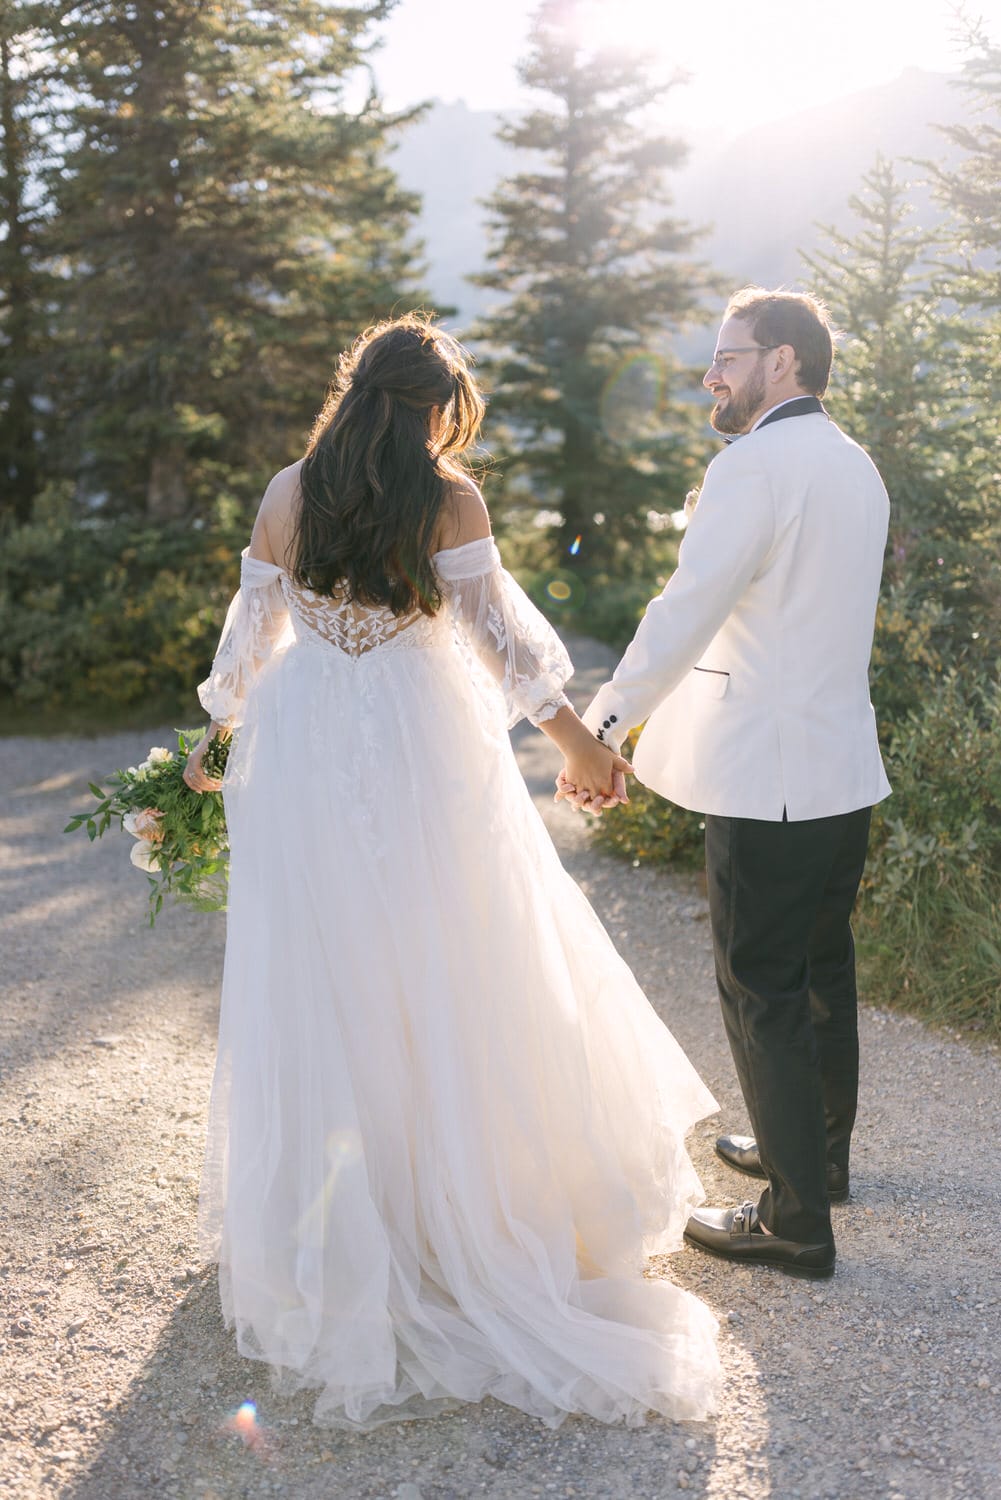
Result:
<point x="193" y="775"/>
<point x="566" y="790"/>
<point x="586" y="784"/>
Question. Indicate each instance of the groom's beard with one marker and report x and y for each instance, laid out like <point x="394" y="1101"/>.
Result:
<point x="735" y="414"/>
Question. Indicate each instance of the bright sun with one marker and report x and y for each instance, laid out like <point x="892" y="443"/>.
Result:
<point x="762" y="61"/>
<point x="640" y="25"/>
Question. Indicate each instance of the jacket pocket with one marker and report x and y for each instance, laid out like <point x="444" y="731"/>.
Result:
<point x="711" y="682"/>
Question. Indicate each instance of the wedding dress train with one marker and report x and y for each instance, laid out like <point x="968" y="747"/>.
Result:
<point x="446" y="1128"/>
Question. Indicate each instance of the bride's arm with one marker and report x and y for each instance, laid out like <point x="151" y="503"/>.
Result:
<point x="255" y="623"/>
<point x="522" y="652"/>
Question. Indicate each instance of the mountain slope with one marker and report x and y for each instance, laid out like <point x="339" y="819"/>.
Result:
<point x="759" y="195"/>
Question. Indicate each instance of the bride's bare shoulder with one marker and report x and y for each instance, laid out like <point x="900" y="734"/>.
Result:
<point x="275" y="524"/>
<point x="282" y="493"/>
<point x="464" y="515"/>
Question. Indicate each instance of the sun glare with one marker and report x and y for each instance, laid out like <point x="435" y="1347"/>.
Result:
<point x="763" y="62"/>
<point x="632" y="25"/>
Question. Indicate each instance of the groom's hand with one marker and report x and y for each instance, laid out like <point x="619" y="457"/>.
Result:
<point x="595" y="805"/>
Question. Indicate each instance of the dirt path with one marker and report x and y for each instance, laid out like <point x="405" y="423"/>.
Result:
<point x="117" y="1378"/>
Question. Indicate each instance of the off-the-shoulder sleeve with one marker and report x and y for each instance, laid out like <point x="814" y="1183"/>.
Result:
<point x="256" y="622"/>
<point x="501" y="625"/>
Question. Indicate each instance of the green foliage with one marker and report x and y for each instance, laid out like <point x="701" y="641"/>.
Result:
<point x="606" y="601"/>
<point x="182" y="841"/>
<point x="929" y="919"/>
<point x="23" y="288"/>
<point x="914" y="384"/>
<point x="219" y="224"/>
<point x="971" y="189"/>
<point x="594" y="274"/>
<point x="114" y="615"/>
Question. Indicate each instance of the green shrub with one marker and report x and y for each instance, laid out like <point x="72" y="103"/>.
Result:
<point x="604" y="600"/>
<point x="929" y="916"/>
<point x="108" y="617"/>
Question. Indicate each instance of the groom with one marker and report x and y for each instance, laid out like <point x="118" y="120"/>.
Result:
<point x="750" y="671"/>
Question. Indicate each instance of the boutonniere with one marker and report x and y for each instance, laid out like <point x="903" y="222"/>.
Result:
<point x="691" y="501"/>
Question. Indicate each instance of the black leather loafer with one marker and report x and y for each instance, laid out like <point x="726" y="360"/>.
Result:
<point x="736" y="1234"/>
<point x="741" y="1152"/>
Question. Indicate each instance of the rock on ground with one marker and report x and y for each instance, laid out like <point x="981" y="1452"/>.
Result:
<point x="118" y="1381"/>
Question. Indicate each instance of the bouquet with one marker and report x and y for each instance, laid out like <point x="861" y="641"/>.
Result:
<point x="181" y="841"/>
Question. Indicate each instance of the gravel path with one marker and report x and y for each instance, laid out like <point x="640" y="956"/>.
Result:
<point x="117" y="1380"/>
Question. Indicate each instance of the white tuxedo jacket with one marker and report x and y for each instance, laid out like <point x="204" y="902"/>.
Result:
<point x="751" y="668"/>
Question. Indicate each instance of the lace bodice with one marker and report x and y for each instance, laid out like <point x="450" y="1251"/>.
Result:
<point x="485" y="612"/>
<point x="356" y="629"/>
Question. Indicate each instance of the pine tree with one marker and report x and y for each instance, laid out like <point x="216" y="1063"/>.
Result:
<point x="907" y="384"/>
<point x="225" y="224"/>
<point x="970" y="277"/>
<point x="594" y="271"/>
<point x="899" y="384"/>
<point x="21" y="329"/>
<point x="971" y="190"/>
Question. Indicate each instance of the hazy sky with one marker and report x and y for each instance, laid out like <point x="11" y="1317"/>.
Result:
<point x="750" y="62"/>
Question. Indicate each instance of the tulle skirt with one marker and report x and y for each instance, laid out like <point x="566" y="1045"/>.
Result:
<point x="446" y="1128"/>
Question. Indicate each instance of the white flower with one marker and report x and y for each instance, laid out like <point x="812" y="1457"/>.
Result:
<point x="129" y="824"/>
<point x="159" y="755"/>
<point x="143" y="858"/>
<point x="691" y="501"/>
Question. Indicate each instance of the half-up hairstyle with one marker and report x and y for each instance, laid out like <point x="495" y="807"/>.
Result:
<point x="377" y="468"/>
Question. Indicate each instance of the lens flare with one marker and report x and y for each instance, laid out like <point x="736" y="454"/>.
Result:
<point x="566" y="590"/>
<point x="575" y="545"/>
<point x="243" y="1424"/>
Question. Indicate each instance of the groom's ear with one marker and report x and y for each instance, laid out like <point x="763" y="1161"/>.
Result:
<point x="785" y="361"/>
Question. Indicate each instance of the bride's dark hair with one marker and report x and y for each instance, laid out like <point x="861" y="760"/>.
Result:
<point x="377" y="468"/>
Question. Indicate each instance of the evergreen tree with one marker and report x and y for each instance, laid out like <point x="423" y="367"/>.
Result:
<point x="971" y="190"/>
<point x="908" y="385"/>
<point x="971" y="278"/>
<point x="224" y="224"/>
<point x="899" y="383"/>
<point x="20" y="277"/>
<point x="593" y="269"/>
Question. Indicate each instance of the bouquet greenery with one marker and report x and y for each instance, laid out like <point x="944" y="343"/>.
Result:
<point x="181" y="841"/>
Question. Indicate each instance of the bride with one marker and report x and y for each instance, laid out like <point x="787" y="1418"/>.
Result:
<point x="446" y="1126"/>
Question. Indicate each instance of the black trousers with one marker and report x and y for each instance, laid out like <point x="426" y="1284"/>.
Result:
<point x="780" y="900"/>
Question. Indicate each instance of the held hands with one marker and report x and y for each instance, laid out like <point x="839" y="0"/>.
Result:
<point x="593" y="780"/>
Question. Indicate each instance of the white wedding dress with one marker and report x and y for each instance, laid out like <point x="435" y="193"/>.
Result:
<point x="446" y="1127"/>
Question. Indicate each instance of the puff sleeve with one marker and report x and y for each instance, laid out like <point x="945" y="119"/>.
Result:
<point x="497" y="621"/>
<point x="256" y="624"/>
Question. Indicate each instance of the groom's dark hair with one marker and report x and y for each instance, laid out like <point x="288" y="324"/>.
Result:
<point x="793" y="318"/>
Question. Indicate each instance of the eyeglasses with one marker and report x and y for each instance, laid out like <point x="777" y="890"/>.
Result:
<point x="721" y="354"/>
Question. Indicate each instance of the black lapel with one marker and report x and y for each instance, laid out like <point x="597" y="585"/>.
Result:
<point x="802" y="406"/>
